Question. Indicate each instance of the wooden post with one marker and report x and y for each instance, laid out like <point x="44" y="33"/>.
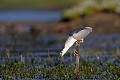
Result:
<point x="76" y="53"/>
<point x="48" y="55"/>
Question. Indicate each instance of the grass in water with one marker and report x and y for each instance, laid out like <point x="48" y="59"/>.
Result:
<point x="88" y="69"/>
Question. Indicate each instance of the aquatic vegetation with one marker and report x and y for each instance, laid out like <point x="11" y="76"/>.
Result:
<point x="45" y="64"/>
<point x="87" y="70"/>
<point x="16" y="70"/>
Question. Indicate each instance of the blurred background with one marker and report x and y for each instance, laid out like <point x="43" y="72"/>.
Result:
<point x="40" y="28"/>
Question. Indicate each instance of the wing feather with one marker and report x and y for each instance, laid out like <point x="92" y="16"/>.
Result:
<point x="69" y="42"/>
<point x="81" y="34"/>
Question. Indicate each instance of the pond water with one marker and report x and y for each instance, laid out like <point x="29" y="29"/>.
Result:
<point x="36" y="57"/>
<point x="29" y="15"/>
<point x="43" y="47"/>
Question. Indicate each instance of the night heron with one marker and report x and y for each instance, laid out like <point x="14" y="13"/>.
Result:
<point x="76" y="35"/>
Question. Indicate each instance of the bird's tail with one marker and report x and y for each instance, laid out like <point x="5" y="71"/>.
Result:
<point x="63" y="52"/>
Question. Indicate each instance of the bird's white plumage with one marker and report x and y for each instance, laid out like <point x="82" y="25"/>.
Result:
<point x="69" y="42"/>
<point x="75" y="36"/>
<point x="81" y="34"/>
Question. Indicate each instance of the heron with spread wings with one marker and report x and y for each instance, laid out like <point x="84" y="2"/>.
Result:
<point x="75" y="35"/>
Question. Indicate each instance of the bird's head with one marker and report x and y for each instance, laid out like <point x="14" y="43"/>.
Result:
<point x="89" y="28"/>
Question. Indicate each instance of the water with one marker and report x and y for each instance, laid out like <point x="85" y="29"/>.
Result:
<point x="22" y="15"/>
<point x="41" y="52"/>
<point x="43" y="46"/>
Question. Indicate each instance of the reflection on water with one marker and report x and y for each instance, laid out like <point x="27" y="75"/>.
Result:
<point x="49" y="46"/>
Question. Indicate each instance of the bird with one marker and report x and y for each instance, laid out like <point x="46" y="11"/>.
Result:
<point x="75" y="35"/>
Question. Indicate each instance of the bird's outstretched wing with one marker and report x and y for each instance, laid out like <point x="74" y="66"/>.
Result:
<point x="69" y="42"/>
